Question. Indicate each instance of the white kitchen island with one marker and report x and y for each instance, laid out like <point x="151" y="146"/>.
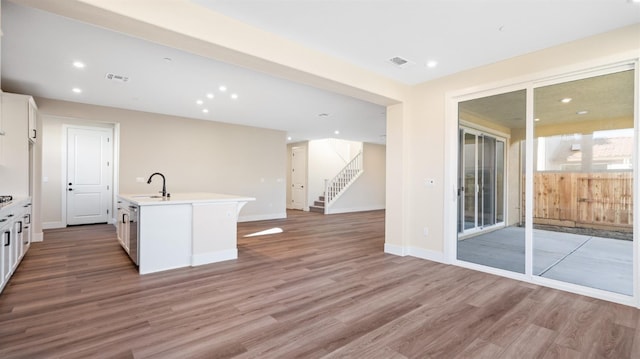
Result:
<point x="185" y="229"/>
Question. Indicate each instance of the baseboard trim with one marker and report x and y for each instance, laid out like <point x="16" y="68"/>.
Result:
<point x="262" y="217"/>
<point x="213" y="257"/>
<point x="427" y="254"/>
<point x="355" y="209"/>
<point x="37" y="237"/>
<point x="415" y="252"/>
<point x="395" y="250"/>
<point x="53" y="225"/>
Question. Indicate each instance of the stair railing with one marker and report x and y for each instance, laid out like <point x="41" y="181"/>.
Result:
<point x="336" y="186"/>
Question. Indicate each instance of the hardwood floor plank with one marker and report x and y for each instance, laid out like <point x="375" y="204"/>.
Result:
<point x="480" y="349"/>
<point x="533" y="342"/>
<point x="323" y="288"/>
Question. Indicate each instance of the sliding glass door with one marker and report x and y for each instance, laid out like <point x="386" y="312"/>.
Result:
<point x="547" y="181"/>
<point x="481" y="186"/>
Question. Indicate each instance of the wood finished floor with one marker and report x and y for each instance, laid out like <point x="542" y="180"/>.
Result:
<point x="322" y="288"/>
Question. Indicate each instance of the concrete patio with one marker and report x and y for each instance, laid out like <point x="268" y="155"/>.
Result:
<point x="595" y="262"/>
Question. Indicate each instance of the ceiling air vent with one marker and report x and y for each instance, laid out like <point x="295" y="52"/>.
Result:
<point x="118" y="78"/>
<point x="400" y="62"/>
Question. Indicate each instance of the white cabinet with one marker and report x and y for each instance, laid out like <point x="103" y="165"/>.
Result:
<point x="26" y="230"/>
<point x="32" y="113"/>
<point x="124" y="218"/>
<point x="15" y="237"/>
<point x="2" y="133"/>
<point x="6" y="231"/>
<point x="19" y="116"/>
<point x="15" y="144"/>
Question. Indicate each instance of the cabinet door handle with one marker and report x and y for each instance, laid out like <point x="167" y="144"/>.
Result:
<point x="34" y="133"/>
<point x="20" y="230"/>
<point x="123" y="220"/>
<point x="8" y="238"/>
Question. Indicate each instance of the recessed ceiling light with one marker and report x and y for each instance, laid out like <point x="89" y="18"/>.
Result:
<point x="76" y="90"/>
<point x="204" y="110"/>
<point x="336" y="132"/>
<point x="536" y="119"/>
<point x="234" y="96"/>
<point x="222" y="88"/>
<point x="78" y="64"/>
<point x="583" y="112"/>
<point x="289" y="138"/>
<point x="566" y="100"/>
<point x="209" y="95"/>
<point x="199" y="102"/>
<point x="431" y="64"/>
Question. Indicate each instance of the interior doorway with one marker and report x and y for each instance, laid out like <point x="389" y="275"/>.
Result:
<point x="298" y="177"/>
<point x="89" y="175"/>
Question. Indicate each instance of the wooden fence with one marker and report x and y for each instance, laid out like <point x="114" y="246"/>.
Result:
<point x="584" y="200"/>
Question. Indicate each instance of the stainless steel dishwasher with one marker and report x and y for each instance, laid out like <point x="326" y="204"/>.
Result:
<point x="134" y="234"/>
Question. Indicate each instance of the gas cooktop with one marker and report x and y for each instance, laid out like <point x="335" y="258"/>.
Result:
<point x="5" y="199"/>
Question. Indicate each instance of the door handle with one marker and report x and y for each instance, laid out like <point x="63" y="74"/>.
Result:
<point x="8" y="237"/>
<point x="70" y="189"/>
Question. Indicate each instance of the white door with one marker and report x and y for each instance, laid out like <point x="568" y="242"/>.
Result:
<point x="89" y="175"/>
<point x="298" y="177"/>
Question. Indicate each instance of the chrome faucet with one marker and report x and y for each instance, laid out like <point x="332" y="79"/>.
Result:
<point x="164" y="187"/>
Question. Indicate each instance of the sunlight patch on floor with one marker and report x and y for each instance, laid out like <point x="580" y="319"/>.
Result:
<point x="274" y="230"/>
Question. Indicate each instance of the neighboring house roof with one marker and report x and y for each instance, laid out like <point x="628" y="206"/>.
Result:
<point x="606" y="149"/>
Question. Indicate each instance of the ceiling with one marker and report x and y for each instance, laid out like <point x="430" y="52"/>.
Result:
<point x="599" y="98"/>
<point x="458" y="34"/>
<point x="38" y="49"/>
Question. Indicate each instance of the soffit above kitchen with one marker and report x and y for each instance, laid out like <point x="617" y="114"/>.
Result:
<point x="40" y="50"/>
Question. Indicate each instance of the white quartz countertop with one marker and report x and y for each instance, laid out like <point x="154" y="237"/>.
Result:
<point x="182" y="198"/>
<point x="15" y="203"/>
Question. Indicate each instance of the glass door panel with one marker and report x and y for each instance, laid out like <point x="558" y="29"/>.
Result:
<point x="488" y="171"/>
<point x="470" y="181"/>
<point x="499" y="198"/>
<point x="583" y="181"/>
<point x="491" y="233"/>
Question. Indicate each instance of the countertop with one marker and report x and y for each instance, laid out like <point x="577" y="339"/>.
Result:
<point x="14" y="203"/>
<point x="182" y="198"/>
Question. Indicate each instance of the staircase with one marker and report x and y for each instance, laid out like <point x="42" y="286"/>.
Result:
<point x="318" y="206"/>
<point x="335" y="187"/>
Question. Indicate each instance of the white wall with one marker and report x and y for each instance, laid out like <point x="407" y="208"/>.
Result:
<point x="194" y="155"/>
<point x="368" y="191"/>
